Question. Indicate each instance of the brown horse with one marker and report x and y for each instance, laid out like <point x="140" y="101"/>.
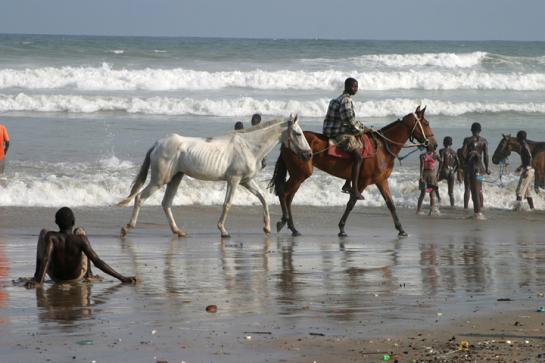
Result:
<point x="509" y="143"/>
<point x="375" y="170"/>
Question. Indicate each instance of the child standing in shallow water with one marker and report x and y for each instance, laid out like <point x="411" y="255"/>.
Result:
<point x="448" y="166"/>
<point x="428" y="178"/>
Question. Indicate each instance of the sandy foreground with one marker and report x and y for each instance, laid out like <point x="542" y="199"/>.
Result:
<point x="455" y="290"/>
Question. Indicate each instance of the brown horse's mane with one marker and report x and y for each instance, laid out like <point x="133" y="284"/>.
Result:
<point x="538" y="144"/>
<point x="390" y="125"/>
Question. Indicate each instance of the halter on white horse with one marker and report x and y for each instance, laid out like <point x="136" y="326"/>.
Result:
<point x="234" y="157"/>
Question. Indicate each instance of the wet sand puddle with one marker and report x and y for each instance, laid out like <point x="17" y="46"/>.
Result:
<point x="263" y="288"/>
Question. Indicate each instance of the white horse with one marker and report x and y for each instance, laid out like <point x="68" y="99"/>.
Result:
<point x="234" y="157"/>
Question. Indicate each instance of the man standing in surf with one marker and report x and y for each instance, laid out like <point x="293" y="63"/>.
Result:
<point x="340" y="124"/>
<point x="526" y="173"/>
<point x="475" y="154"/>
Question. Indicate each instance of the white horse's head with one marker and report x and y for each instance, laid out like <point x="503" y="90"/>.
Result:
<point x="294" y="139"/>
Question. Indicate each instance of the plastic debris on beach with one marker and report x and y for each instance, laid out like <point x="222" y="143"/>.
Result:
<point x="387" y="357"/>
<point x="248" y="337"/>
<point x="153" y="332"/>
<point x="211" y="308"/>
<point x="541" y="309"/>
<point x="85" y="342"/>
<point x="464" y="345"/>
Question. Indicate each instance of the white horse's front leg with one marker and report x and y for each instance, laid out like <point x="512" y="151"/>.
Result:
<point x="254" y="188"/>
<point x="138" y="202"/>
<point x="231" y="187"/>
<point x="172" y="187"/>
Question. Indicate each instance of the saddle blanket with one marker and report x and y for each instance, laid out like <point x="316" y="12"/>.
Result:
<point x="367" y="152"/>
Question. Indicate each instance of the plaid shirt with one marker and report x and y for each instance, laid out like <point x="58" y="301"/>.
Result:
<point x="340" y="118"/>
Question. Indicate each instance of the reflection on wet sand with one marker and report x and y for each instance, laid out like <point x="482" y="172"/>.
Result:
<point x="68" y="303"/>
<point x="4" y="271"/>
<point x="361" y="286"/>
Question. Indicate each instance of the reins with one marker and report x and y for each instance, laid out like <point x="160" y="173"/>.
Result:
<point x="418" y="146"/>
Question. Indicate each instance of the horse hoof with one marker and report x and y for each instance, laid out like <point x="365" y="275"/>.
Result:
<point x="123" y="232"/>
<point x="225" y="235"/>
<point x="181" y="233"/>
<point x="295" y="233"/>
<point x="342" y="234"/>
<point x="267" y="230"/>
<point x="402" y="234"/>
<point x="279" y="226"/>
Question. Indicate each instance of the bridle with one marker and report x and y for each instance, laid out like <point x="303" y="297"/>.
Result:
<point x="506" y="149"/>
<point x="419" y="124"/>
<point x="412" y="138"/>
<point x="290" y="129"/>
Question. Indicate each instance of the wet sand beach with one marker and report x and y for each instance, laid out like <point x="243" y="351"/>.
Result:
<point x="282" y="299"/>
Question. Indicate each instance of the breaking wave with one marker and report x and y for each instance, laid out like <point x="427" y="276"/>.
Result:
<point x="107" y="181"/>
<point x="244" y="106"/>
<point x="106" y="78"/>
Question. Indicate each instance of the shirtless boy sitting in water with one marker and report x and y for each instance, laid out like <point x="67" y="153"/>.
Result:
<point x="65" y="255"/>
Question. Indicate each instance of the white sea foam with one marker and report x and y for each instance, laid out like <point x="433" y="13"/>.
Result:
<point x="244" y="106"/>
<point x="106" y="78"/>
<point x="107" y="181"/>
<point x="440" y="60"/>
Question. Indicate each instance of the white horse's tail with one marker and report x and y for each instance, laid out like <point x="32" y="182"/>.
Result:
<point x="139" y="180"/>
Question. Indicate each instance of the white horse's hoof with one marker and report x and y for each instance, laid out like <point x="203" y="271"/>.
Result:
<point x="267" y="230"/>
<point x="180" y="233"/>
<point x="225" y="235"/>
<point x="124" y="231"/>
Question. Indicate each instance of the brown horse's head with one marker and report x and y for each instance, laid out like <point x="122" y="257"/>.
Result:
<point x="419" y="127"/>
<point x="504" y="148"/>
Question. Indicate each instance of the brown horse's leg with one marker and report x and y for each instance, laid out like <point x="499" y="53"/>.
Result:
<point x="292" y="186"/>
<point x="384" y="189"/>
<point x="282" y="222"/>
<point x="349" y="206"/>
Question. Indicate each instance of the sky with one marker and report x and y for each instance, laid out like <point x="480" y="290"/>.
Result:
<point x="333" y="19"/>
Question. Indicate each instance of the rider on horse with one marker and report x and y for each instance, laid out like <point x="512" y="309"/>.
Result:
<point x="340" y="124"/>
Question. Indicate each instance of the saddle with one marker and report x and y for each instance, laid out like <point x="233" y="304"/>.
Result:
<point x="368" y="150"/>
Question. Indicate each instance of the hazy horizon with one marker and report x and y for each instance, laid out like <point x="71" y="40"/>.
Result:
<point x="265" y="38"/>
<point x="441" y="20"/>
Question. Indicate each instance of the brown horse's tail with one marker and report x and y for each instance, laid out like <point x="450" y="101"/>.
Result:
<point x="139" y="180"/>
<point x="278" y="179"/>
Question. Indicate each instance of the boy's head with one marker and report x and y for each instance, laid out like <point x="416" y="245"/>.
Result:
<point x="256" y="119"/>
<point x="64" y="218"/>
<point x="476" y="127"/>
<point x="447" y="141"/>
<point x="521" y="135"/>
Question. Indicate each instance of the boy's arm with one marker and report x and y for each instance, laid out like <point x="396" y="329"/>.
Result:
<point x="485" y="154"/>
<point x="41" y="266"/>
<point x="98" y="262"/>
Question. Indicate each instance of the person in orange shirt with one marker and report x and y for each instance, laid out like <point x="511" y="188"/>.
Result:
<point x="4" y="146"/>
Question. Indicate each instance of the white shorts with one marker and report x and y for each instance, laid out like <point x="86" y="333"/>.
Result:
<point x="523" y="187"/>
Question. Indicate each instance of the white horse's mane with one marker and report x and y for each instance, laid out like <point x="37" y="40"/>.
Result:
<point x="262" y="125"/>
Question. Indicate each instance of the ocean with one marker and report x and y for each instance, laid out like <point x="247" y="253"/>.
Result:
<point x="82" y="111"/>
